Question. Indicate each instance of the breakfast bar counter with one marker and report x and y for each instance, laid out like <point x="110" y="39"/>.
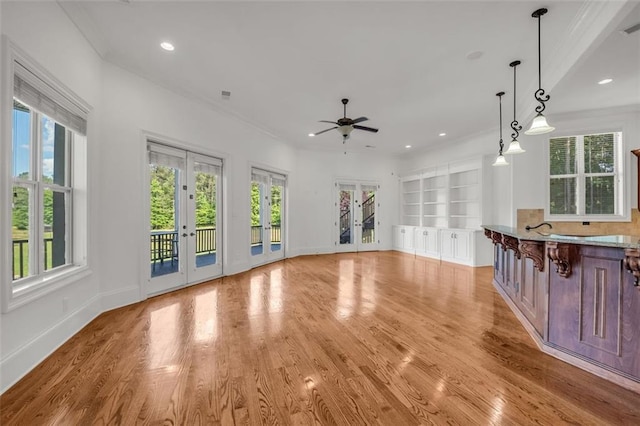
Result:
<point x="577" y="296"/>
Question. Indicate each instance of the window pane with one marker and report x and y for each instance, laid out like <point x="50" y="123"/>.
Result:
<point x="600" y="195"/>
<point x="562" y="196"/>
<point x="55" y="225"/>
<point x="562" y="156"/>
<point x="53" y="152"/>
<point x="598" y="153"/>
<point x="20" y="227"/>
<point x="21" y="140"/>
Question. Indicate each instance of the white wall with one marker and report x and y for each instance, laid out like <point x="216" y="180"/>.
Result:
<point x="30" y="332"/>
<point x="313" y="202"/>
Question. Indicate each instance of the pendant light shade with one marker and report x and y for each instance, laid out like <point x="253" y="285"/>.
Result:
<point x="500" y="160"/>
<point x="514" y="146"/>
<point x="539" y="125"/>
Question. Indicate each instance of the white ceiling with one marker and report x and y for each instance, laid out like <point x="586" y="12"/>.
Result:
<point x="402" y="64"/>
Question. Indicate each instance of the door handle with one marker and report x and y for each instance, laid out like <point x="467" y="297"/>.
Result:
<point x="184" y="235"/>
<point x="192" y="234"/>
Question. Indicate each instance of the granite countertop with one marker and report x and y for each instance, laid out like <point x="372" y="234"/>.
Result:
<point x="621" y="241"/>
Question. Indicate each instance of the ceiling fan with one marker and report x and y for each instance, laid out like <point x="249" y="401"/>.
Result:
<point x="345" y="125"/>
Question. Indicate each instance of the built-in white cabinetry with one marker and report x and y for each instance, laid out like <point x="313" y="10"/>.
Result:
<point x="444" y="207"/>
<point x="411" y="201"/>
<point x="427" y="242"/>
<point x="404" y="238"/>
<point x="457" y="245"/>
<point x="434" y="197"/>
<point x="465" y="192"/>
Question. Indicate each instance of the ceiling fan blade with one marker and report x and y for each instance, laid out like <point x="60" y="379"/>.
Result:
<point x="325" y="121"/>
<point x="368" y="129"/>
<point x="360" y="120"/>
<point x="324" y="131"/>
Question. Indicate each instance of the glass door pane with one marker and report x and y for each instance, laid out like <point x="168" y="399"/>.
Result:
<point x="346" y="217"/>
<point x="368" y="216"/>
<point x="206" y="201"/>
<point x="257" y="219"/>
<point x="165" y="255"/>
<point x="203" y="248"/>
<point x="276" y="217"/>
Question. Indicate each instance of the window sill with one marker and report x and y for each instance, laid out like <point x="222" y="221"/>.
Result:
<point x="587" y="218"/>
<point x="33" y="289"/>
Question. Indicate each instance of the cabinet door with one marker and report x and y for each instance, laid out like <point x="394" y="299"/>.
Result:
<point x="594" y="312"/>
<point x="447" y="244"/>
<point x="530" y="294"/>
<point x="463" y="240"/>
<point x="420" y="236"/>
<point x="432" y="247"/>
<point x="397" y="237"/>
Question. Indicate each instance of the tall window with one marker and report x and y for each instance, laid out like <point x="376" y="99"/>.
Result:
<point x="48" y="167"/>
<point x="585" y="177"/>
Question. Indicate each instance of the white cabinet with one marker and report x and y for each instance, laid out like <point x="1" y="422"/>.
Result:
<point x="403" y="238"/>
<point x="427" y="242"/>
<point x="457" y="245"/>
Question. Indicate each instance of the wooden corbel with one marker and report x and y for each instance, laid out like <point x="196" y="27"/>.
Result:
<point x="562" y="255"/>
<point x="632" y="264"/>
<point x="496" y="237"/>
<point x="534" y="250"/>
<point x="487" y="233"/>
<point x="511" y="243"/>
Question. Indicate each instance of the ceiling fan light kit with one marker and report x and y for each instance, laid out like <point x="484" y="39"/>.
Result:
<point x="346" y="125"/>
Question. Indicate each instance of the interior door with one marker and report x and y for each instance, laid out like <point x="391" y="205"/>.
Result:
<point x="357" y="222"/>
<point x="268" y="191"/>
<point x="184" y="206"/>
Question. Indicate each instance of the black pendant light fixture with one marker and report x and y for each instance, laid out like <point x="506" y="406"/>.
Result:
<point x="539" y="125"/>
<point x="514" y="146"/>
<point x="500" y="160"/>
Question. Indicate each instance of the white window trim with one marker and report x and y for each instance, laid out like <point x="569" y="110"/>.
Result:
<point x="14" y="295"/>
<point x="623" y="176"/>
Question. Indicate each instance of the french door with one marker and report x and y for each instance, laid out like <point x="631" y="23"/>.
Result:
<point x="356" y="220"/>
<point x="268" y="191"/>
<point x="184" y="218"/>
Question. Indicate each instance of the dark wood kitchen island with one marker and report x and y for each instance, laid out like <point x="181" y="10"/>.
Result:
<point x="578" y="297"/>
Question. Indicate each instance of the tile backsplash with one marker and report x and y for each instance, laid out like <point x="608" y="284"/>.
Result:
<point x="535" y="216"/>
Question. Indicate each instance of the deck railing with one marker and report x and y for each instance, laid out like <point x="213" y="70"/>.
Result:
<point x="20" y="264"/>
<point x="256" y="234"/>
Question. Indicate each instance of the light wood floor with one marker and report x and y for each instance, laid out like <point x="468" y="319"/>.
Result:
<point x="374" y="338"/>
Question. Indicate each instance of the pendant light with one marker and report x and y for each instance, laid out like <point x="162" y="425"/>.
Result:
<point x="500" y="160"/>
<point x="539" y="125"/>
<point x="514" y="146"/>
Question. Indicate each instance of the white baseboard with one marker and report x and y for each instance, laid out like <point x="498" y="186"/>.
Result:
<point x="18" y="363"/>
<point x="118" y="298"/>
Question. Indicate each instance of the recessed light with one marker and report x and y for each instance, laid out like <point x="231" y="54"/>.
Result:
<point x="476" y="54"/>
<point x="167" y="46"/>
<point x="605" y="81"/>
<point x="442" y="134"/>
<point x="407" y="146"/>
<point x="312" y="134"/>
